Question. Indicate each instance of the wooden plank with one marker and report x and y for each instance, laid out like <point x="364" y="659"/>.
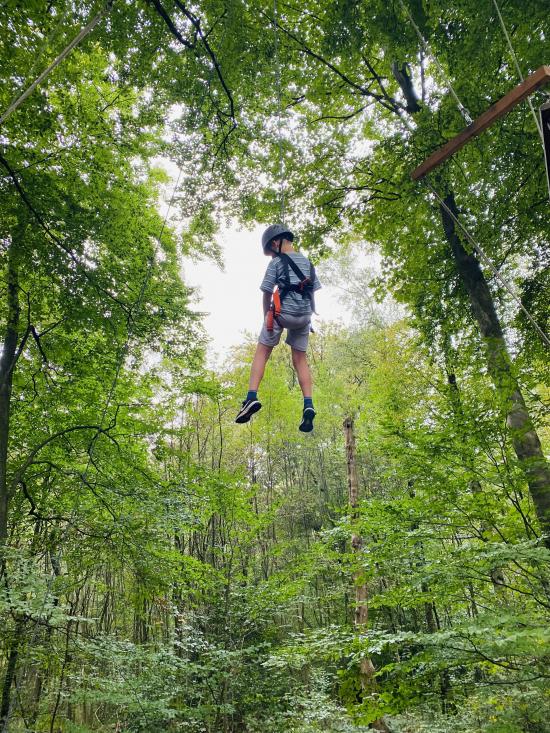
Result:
<point x="534" y="81"/>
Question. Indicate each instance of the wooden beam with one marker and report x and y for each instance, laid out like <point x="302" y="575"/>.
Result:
<point x="534" y="81"/>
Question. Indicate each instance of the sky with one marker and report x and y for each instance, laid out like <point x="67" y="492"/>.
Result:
<point x="232" y="298"/>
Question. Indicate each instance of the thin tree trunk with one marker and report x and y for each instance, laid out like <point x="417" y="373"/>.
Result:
<point x="9" y="677"/>
<point x="7" y="365"/>
<point x="361" y="616"/>
<point x="5" y="706"/>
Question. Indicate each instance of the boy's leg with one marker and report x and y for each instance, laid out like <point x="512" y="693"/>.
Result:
<point x="299" y="359"/>
<point x="251" y="404"/>
<point x="257" y="369"/>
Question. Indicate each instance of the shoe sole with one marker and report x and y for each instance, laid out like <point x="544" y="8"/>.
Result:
<point x="306" y="426"/>
<point x="248" y="414"/>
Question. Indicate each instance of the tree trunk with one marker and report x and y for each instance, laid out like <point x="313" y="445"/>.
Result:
<point x="361" y="617"/>
<point x="525" y="440"/>
<point x="5" y="706"/>
<point x="7" y="365"/>
<point x="5" y="703"/>
<point x="524" y="437"/>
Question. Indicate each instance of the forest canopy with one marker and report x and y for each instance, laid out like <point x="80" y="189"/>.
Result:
<point x="163" y="569"/>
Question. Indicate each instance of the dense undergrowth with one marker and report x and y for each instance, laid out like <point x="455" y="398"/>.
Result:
<point x="163" y="569"/>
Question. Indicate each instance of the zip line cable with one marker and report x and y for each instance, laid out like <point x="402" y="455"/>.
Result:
<point x="484" y="257"/>
<point x="279" y="114"/>
<point x="479" y="250"/>
<point x="518" y="68"/>
<point x="468" y="235"/>
<point x="66" y="51"/>
<point x="47" y="42"/>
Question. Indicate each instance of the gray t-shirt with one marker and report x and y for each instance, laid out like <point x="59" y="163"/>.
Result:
<point x="293" y="302"/>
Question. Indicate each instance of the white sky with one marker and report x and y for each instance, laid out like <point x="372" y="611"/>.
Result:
<point x="232" y="298"/>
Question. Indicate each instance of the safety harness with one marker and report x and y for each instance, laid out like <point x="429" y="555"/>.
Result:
<point x="304" y="286"/>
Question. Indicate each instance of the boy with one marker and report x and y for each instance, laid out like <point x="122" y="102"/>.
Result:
<point x="295" y="277"/>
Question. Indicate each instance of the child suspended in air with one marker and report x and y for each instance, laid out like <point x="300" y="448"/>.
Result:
<point x="290" y="306"/>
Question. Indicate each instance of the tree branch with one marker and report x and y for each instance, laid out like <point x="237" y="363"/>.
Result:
<point x="170" y="24"/>
<point x="197" y="25"/>
<point x="36" y="337"/>
<point x="364" y="91"/>
<point x="54" y="238"/>
<point x="28" y="461"/>
<point x="403" y="78"/>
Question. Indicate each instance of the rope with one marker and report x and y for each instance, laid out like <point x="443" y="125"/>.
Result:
<point x="518" y="69"/>
<point x="425" y="45"/>
<point x="66" y="51"/>
<point x="279" y="114"/>
<point x="484" y="257"/>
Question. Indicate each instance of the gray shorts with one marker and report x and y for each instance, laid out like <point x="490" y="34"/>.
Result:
<point x="298" y="328"/>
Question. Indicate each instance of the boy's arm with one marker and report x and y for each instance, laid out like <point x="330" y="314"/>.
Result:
<point x="268" y="283"/>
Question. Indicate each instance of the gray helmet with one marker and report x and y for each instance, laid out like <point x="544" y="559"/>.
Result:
<point x="275" y="231"/>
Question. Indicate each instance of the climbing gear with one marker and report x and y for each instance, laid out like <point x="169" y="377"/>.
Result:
<point x="274" y="231"/>
<point x="306" y="426"/>
<point x="274" y="309"/>
<point x="304" y="286"/>
<point x="247" y="410"/>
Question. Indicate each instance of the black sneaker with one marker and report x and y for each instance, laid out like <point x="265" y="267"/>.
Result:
<point x="306" y="426"/>
<point x="247" y="410"/>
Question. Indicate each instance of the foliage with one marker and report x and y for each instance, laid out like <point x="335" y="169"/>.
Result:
<point x="163" y="569"/>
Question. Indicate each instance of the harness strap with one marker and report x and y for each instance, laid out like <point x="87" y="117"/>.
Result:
<point x="305" y="286"/>
<point x="299" y="274"/>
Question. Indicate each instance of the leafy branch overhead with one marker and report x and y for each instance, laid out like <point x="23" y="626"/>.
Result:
<point x="164" y="569"/>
